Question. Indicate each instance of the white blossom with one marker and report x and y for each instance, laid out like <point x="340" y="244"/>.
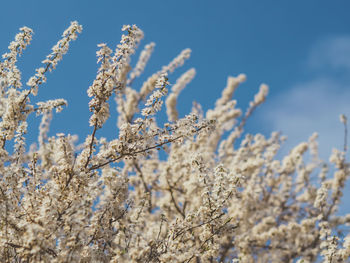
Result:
<point x="190" y="189"/>
<point x="51" y="61"/>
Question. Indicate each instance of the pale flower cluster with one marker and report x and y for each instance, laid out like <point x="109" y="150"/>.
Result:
<point x="56" y="55"/>
<point x="192" y="189"/>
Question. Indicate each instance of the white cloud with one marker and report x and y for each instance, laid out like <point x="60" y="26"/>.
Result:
<point x="315" y="105"/>
<point x="332" y="52"/>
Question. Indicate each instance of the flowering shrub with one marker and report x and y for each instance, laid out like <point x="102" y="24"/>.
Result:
<point x="178" y="192"/>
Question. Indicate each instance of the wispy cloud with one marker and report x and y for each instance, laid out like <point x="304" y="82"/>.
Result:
<point x="331" y="53"/>
<point x="315" y="105"/>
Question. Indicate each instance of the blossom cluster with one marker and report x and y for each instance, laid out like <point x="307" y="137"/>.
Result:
<point x="190" y="189"/>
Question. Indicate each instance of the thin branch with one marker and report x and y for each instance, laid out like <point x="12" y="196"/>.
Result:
<point x="174" y="201"/>
<point x="94" y="167"/>
<point x="145" y="186"/>
<point x="91" y="144"/>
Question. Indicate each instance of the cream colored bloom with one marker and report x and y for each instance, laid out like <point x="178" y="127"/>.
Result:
<point x="190" y="189"/>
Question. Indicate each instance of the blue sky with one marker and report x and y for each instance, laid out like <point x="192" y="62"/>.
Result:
<point x="301" y="49"/>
